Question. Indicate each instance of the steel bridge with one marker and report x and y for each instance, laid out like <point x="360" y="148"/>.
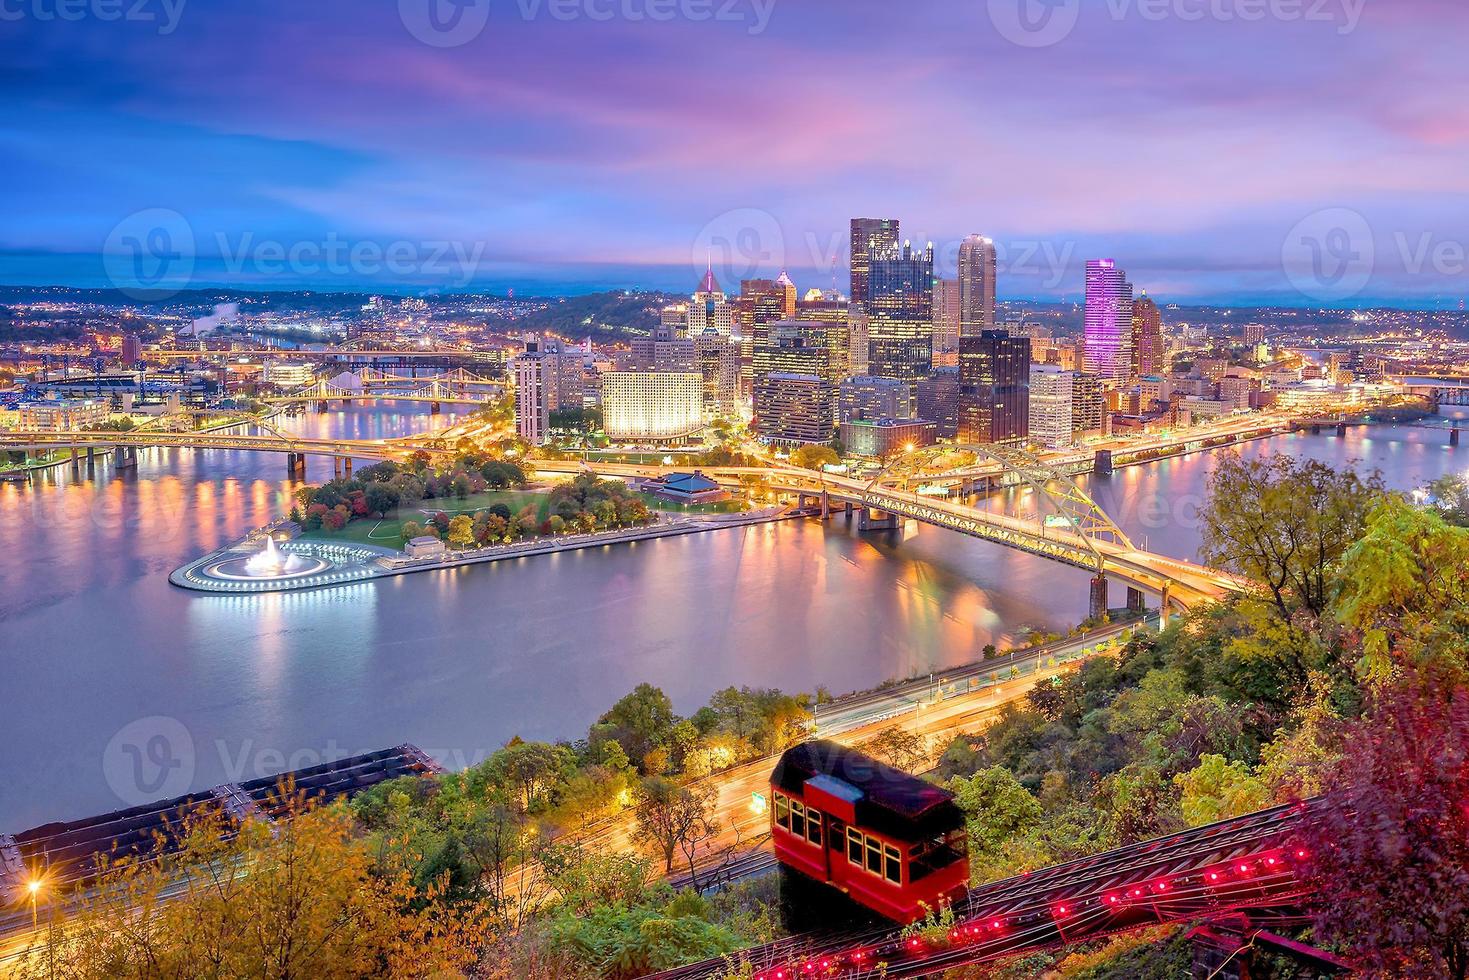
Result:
<point x="455" y="387"/>
<point x="273" y="441"/>
<point x="1250" y="862"/>
<point x="1075" y="530"/>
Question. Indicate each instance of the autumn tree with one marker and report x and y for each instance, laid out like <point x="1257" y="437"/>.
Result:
<point x="1283" y="522"/>
<point x="900" y="749"/>
<point x="295" y="898"/>
<point x="1388" y="855"/>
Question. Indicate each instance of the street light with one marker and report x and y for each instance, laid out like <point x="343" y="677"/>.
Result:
<point x="33" y="888"/>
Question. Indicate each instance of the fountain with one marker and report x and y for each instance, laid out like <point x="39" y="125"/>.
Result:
<point x="271" y="562"/>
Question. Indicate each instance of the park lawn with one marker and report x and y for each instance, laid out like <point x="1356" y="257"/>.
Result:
<point x="388" y="532"/>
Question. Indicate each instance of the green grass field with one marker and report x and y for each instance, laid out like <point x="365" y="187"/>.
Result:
<point x="388" y="532"/>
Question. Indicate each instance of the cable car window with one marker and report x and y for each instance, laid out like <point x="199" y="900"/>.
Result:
<point x="813" y="826"/>
<point x="893" y="865"/>
<point x="798" y="818"/>
<point x="782" y="811"/>
<point x="854" y="847"/>
<point x="874" y="856"/>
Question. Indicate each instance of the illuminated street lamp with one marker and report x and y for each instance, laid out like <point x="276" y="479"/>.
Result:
<point x="33" y="888"/>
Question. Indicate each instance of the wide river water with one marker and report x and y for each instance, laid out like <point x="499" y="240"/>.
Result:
<point x="117" y="688"/>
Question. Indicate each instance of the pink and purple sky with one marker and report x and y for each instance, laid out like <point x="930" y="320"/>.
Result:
<point x="1295" y="151"/>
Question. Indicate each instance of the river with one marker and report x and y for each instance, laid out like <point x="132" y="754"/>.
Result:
<point x="118" y="688"/>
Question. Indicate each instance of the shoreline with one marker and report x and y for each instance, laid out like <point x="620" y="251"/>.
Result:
<point x="369" y="563"/>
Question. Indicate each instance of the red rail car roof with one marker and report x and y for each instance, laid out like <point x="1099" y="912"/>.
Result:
<point x="886" y="800"/>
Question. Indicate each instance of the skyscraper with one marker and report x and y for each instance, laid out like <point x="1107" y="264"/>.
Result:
<point x="534" y="380"/>
<point x="945" y="315"/>
<point x="869" y="235"/>
<point x="994" y="378"/>
<point x="1108" y="339"/>
<point x="977" y="272"/>
<point x="710" y="311"/>
<point x="1147" y="338"/>
<point x="1050" y="405"/>
<point x="900" y="313"/>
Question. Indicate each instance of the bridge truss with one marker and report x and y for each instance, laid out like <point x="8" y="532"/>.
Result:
<point x="1075" y="509"/>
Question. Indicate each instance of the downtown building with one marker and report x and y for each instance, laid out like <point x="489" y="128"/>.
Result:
<point x="900" y="314"/>
<point x="1088" y="405"/>
<point x="866" y="397"/>
<point x="1107" y="342"/>
<point x="869" y="236"/>
<point x="795" y="388"/>
<point x="994" y="378"/>
<point x="652" y="406"/>
<point x="1051" y="405"/>
<point x="1147" y="338"/>
<point x="945" y="315"/>
<point x="938" y="398"/>
<point x="978" y="267"/>
<point x="884" y="439"/>
<point x="535" y="383"/>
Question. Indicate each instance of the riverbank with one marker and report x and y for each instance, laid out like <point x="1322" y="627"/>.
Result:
<point x="357" y="562"/>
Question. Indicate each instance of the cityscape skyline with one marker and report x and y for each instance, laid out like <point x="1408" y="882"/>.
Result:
<point x="596" y="177"/>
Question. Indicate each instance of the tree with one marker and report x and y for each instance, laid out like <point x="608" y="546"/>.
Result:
<point x="303" y="900"/>
<point x="461" y="531"/>
<point x="899" y="748"/>
<point x="1217" y="790"/>
<point x="1283" y="522"/>
<point x="638" y="722"/>
<point x="379" y="498"/>
<point x="814" y="457"/>
<point x="1403" y="587"/>
<point x="1389" y="853"/>
<point x="671" y="817"/>
<point x="999" y="809"/>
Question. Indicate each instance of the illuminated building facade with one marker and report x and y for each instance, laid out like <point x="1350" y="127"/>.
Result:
<point x="994" y="400"/>
<point x="1108" y="339"/>
<point x="869" y="236"/>
<point x="977" y="272"/>
<point x="652" y="406"/>
<point x="1147" y="338"/>
<point x="900" y="314"/>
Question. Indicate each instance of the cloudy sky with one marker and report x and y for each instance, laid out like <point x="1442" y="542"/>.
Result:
<point x="1300" y="151"/>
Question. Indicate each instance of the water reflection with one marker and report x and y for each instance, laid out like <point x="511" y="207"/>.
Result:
<point x="93" y="638"/>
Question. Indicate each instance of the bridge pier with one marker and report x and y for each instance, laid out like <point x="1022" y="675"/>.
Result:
<point x="336" y="467"/>
<point x="1135" y="600"/>
<point x="1341" y="429"/>
<point x="125" y="458"/>
<point x="1103" y="465"/>
<point x="74" y="456"/>
<point x="1453" y="437"/>
<point x="347" y="467"/>
<point x="433" y="408"/>
<point x="1163" y="606"/>
<point x="869" y="519"/>
<point x="1097" y="606"/>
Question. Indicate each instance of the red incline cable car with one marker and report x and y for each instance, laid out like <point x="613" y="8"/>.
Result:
<point x="890" y="841"/>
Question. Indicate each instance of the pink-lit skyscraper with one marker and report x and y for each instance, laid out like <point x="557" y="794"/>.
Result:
<point x="1107" y="346"/>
